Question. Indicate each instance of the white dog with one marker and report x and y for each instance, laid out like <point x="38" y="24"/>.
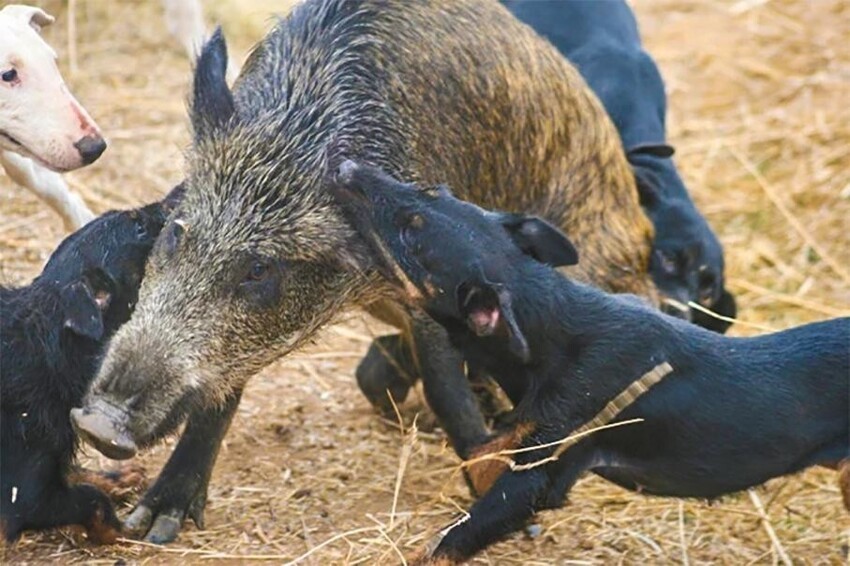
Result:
<point x="185" y="22"/>
<point x="43" y="129"/>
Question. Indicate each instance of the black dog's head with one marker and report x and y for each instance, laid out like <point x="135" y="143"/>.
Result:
<point x="687" y="259"/>
<point x="97" y="270"/>
<point x="448" y="256"/>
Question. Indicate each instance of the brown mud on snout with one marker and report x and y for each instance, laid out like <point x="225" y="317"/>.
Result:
<point x="99" y="424"/>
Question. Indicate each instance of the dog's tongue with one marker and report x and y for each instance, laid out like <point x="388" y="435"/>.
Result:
<point x="483" y="322"/>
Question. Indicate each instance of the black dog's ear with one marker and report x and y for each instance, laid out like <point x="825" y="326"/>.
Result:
<point x="212" y="101"/>
<point x="539" y="239"/>
<point x="83" y="312"/>
<point x="488" y="308"/>
<point x="658" y="149"/>
<point x="517" y="343"/>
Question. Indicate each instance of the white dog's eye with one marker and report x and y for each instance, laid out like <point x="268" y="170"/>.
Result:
<point x="9" y="76"/>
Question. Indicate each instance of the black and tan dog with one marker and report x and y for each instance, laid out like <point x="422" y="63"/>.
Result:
<point x="723" y="414"/>
<point x="53" y="332"/>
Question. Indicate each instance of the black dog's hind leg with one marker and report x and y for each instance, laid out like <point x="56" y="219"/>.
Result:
<point x="180" y="490"/>
<point x="119" y="484"/>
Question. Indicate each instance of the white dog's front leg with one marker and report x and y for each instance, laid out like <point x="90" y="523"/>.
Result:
<point x="49" y="186"/>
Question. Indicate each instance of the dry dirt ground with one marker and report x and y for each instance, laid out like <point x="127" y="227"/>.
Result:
<point x="760" y="114"/>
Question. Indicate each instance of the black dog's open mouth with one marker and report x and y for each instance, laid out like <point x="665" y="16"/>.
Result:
<point x="480" y="307"/>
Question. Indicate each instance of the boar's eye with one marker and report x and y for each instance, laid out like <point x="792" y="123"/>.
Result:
<point x="261" y="282"/>
<point x="259" y="271"/>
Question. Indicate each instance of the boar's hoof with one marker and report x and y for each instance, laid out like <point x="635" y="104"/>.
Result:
<point x="163" y="526"/>
<point x="161" y="530"/>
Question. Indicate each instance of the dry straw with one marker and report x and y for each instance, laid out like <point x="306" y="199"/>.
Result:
<point x="309" y="474"/>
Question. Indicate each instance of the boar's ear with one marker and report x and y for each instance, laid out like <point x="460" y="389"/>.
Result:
<point x="212" y="101"/>
<point x="173" y="198"/>
<point x="82" y="311"/>
<point x="539" y="239"/>
<point x="488" y="309"/>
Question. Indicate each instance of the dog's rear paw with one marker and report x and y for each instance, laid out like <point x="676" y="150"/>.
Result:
<point x="120" y="484"/>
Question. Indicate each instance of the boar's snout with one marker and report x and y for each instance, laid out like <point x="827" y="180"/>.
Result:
<point x="102" y="425"/>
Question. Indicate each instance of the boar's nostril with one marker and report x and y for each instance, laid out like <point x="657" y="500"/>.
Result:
<point x="90" y="148"/>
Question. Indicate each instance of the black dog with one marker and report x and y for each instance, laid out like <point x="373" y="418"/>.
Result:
<point x="733" y="412"/>
<point x="53" y="331"/>
<point x="602" y="40"/>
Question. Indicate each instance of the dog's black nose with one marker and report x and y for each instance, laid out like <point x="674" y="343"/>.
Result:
<point x="90" y="148"/>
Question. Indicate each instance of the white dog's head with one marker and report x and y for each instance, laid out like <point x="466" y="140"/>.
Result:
<point x="39" y="117"/>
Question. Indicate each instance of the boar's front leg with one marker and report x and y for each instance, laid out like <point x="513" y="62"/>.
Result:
<point x="180" y="490"/>
<point x="387" y="370"/>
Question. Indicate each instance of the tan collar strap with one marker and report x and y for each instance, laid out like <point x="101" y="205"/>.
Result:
<point x="618" y="404"/>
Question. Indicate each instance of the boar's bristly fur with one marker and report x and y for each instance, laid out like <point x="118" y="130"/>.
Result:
<point x="258" y="257"/>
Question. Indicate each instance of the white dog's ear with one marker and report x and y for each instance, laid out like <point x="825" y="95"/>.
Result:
<point x="35" y="17"/>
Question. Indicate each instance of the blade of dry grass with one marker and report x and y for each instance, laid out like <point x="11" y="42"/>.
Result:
<point x="765" y="521"/>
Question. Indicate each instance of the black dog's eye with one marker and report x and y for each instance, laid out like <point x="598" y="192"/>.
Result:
<point x="141" y="231"/>
<point x="9" y="76"/>
<point x="259" y="271"/>
<point x="667" y="262"/>
<point x="415" y="221"/>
